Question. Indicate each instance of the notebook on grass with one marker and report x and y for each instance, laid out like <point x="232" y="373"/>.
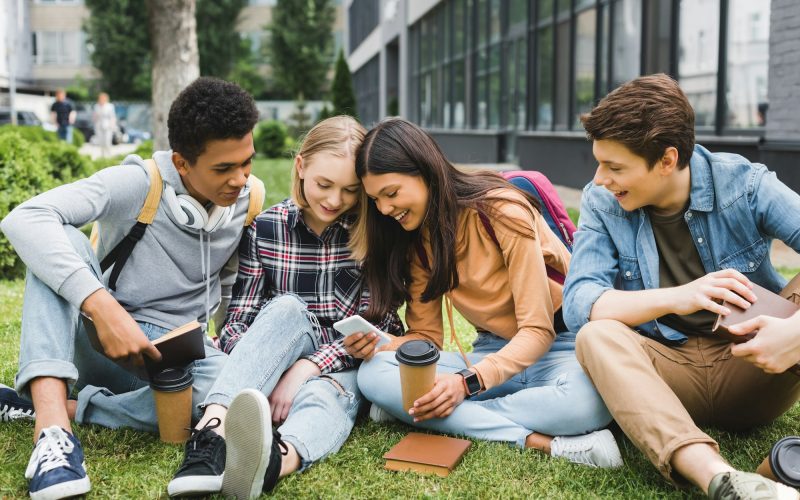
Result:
<point x="426" y="453"/>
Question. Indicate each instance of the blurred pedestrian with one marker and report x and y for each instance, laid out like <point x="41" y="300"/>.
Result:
<point x="104" y="118"/>
<point x="62" y="114"/>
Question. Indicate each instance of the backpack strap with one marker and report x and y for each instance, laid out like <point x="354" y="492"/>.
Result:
<point x="119" y="255"/>
<point x="257" y="195"/>
<point x="552" y="273"/>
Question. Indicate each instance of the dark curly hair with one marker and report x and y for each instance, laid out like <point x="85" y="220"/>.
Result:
<point x="209" y="109"/>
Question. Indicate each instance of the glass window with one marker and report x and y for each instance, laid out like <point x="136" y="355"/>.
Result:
<point x="495" y="97"/>
<point x="562" y="74"/>
<point x="458" y="27"/>
<point x="494" y="20"/>
<point x="482" y="111"/>
<point x="544" y="80"/>
<point x="604" y="43"/>
<point x="699" y="53"/>
<point x="585" y="34"/>
<point x="658" y="32"/>
<point x="748" y="62"/>
<point x="459" y="93"/>
<point x="627" y="41"/>
<point x="545" y="8"/>
<point x="517" y="13"/>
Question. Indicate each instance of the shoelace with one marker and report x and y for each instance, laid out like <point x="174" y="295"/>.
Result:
<point x="277" y="440"/>
<point x="576" y="452"/>
<point x="51" y="450"/>
<point x="201" y="437"/>
<point x="16" y="414"/>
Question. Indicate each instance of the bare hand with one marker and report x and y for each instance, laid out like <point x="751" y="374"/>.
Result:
<point x="282" y="397"/>
<point x="117" y="331"/>
<point x="707" y="293"/>
<point x="775" y="348"/>
<point x="447" y="393"/>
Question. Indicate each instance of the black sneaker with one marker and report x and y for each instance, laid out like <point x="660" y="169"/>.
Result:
<point x="203" y="463"/>
<point x="13" y="407"/>
<point x="254" y="449"/>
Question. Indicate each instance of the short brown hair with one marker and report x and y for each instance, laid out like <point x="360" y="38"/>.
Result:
<point x="647" y="115"/>
<point x="340" y="136"/>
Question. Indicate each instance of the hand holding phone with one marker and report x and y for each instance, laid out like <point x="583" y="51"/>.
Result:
<point x="357" y="324"/>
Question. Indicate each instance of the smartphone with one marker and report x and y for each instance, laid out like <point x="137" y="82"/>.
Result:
<point x="355" y="324"/>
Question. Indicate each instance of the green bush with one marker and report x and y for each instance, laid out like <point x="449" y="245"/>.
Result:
<point x="145" y="149"/>
<point x="270" y="138"/>
<point x="65" y="164"/>
<point x="33" y="134"/>
<point x="78" y="139"/>
<point x="23" y="174"/>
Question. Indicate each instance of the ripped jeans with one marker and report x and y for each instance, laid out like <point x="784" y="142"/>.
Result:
<point x="323" y="411"/>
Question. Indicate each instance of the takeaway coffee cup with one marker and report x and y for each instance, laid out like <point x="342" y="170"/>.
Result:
<point x="783" y="462"/>
<point x="417" y="360"/>
<point x="172" y="390"/>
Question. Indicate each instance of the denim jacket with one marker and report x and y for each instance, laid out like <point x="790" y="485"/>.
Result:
<point x="735" y="210"/>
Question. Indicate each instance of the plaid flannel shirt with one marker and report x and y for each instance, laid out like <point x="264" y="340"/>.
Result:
<point x="278" y="254"/>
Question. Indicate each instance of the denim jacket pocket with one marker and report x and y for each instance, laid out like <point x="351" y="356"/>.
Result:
<point x="746" y="260"/>
<point x="629" y="273"/>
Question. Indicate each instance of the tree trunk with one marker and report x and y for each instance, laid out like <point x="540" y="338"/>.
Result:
<point x="176" y="62"/>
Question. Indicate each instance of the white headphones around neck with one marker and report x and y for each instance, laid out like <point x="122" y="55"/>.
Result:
<point x="192" y="214"/>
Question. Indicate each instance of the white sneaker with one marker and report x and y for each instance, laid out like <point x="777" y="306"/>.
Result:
<point x="379" y="415"/>
<point x="596" y="449"/>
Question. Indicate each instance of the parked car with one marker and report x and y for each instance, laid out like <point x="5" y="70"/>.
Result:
<point x="83" y="120"/>
<point x="27" y="118"/>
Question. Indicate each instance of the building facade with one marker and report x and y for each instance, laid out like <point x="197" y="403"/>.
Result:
<point x="507" y="80"/>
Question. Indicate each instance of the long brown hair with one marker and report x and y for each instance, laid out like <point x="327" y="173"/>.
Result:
<point x="398" y="146"/>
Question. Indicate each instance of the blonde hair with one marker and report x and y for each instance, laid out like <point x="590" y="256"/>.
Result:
<point x="340" y="136"/>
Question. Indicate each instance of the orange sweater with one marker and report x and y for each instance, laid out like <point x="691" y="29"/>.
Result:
<point x="501" y="290"/>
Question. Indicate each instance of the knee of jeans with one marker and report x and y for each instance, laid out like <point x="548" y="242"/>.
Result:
<point x="588" y="411"/>
<point x="288" y="307"/>
<point x="328" y="392"/>
<point x="372" y="374"/>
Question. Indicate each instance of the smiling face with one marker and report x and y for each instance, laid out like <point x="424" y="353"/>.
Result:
<point x="402" y="197"/>
<point x="633" y="184"/>
<point x="220" y="172"/>
<point x="330" y="188"/>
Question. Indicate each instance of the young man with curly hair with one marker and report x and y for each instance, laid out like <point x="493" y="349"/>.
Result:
<point x="668" y="231"/>
<point x="171" y="277"/>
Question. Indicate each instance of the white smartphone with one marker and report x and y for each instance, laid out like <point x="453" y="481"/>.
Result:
<point x="356" y="324"/>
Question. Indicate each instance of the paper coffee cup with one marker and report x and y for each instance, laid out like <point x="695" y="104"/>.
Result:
<point x="172" y="391"/>
<point x="417" y="360"/>
<point x="783" y="462"/>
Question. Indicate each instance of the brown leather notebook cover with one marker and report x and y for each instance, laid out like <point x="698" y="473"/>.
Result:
<point x="426" y="453"/>
<point x="768" y="304"/>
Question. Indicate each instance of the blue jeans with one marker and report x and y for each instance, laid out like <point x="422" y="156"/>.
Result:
<point x="552" y="396"/>
<point x="323" y="411"/>
<point x="65" y="133"/>
<point x="55" y="344"/>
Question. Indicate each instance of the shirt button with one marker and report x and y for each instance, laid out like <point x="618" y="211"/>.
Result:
<point x="628" y="274"/>
<point x="751" y="264"/>
<point x="688" y="215"/>
<point x="699" y="240"/>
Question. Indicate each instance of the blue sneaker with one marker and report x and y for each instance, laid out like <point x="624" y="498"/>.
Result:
<point x="56" y="468"/>
<point x="13" y="407"/>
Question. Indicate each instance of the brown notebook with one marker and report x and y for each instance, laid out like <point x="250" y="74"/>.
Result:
<point x="768" y="304"/>
<point x="426" y="453"/>
<point x="178" y="347"/>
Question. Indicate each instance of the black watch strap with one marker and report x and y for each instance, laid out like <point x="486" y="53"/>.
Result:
<point x="471" y="381"/>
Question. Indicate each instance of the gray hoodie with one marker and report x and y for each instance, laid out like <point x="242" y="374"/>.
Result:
<point x="162" y="282"/>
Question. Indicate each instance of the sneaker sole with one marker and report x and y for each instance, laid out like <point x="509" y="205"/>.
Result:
<point x="63" y="490"/>
<point x="195" y="485"/>
<point x="248" y="436"/>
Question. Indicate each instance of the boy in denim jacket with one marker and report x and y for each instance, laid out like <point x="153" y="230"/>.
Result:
<point x="668" y="231"/>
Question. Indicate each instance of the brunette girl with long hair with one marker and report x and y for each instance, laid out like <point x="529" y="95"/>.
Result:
<point x="431" y="232"/>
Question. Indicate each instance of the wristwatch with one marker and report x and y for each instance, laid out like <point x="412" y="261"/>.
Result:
<point x="471" y="382"/>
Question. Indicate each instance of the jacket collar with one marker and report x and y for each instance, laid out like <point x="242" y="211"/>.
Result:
<point x="701" y="196"/>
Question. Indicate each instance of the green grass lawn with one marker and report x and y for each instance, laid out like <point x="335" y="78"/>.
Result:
<point x="129" y="464"/>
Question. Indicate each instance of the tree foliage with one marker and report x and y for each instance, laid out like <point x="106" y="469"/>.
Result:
<point x="342" y="94"/>
<point x="301" y="45"/>
<point x="119" y="34"/>
<point x="217" y="39"/>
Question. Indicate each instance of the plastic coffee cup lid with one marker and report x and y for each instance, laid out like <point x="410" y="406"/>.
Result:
<point x="785" y="460"/>
<point x="171" y="380"/>
<point x="417" y="353"/>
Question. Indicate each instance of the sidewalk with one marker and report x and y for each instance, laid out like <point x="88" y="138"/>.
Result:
<point x="93" y="150"/>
